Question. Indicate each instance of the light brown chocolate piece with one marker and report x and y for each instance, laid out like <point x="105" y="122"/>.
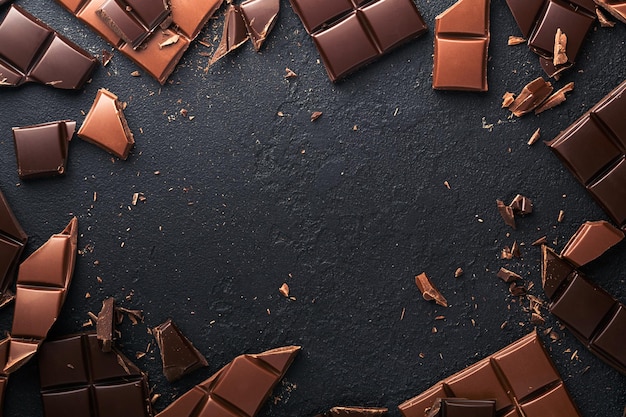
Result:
<point x="604" y="22"/>
<point x="531" y="97"/>
<point x="515" y="40"/>
<point x="507" y="99"/>
<point x="560" y="48"/>
<point x="590" y="241"/>
<point x="535" y="137"/>
<point x="105" y="324"/>
<point x="429" y="291"/>
<point x="556" y="98"/>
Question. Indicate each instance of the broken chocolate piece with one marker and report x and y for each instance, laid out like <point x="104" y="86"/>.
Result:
<point x="555" y="99"/>
<point x="461" y="44"/>
<point x="515" y="40"/>
<point x="178" y="355"/>
<point x="105" y="125"/>
<point x="105" y="324"/>
<point x="12" y="242"/>
<point x="507" y="213"/>
<point x="531" y="97"/>
<point x="239" y="388"/>
<point x="458" y="407"/>
<point x="508" y="276"/>
<point x="535" y="137"/>
<point x="41" y="150"/>
<point x="259" y="17"/>
<point x="604" y="22"/>
<point x="616" y="8"/>
<point x="234" y="34"/>
<point x="560" y="48"/>
<point x="354" y="412"/>
<point x="590" y="241"/>
<point x="521" y="205"/>
<point x="429" y="291"/>
<point x="507" y="99"/>
<point x="42" y="283"/>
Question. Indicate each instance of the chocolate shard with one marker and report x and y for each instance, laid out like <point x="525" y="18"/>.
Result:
<point x="238" y="389"/>
<point x="42" y="283"/>
<point x="616" y="8"/>
<point x="461" y="45"/>
<point x="12" y="242"/>
<point x="105" y="325"/>
<point x="259" y="17"/>
<point x="105" y="125"/>
<point x="75" y="374"/>
<point x="178" y="355"/>
<point x="531" y="97"/>
<point x="521" y="378"/>
<point x="354" y="412"/>
<point x="457" y="407"/>
<point x="521" y="205"/>
<point x="590" y="241"/>
<point x="556" y="98"/>
<point x="506" y="212"/>
<point x="429" y="291"/>
<point x="41" y="150"/>
<point x="554" y="271"/>
<point x="31" y="51"/>
<point x="233" y="36"/>
<point x="508" y="276"/>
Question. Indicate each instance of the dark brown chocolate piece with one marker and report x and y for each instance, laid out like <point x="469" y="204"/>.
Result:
<point x="429" y="291"/>
<point x="31" y="51"/>
<point x="105" y="324"/>
<point x="596" y="318"/>
<point x="461" y="407"/>
<point x="461" y="45"/>
<point x="521" y="205"/>
<point x="260" y="17"/>
<point x="42" y="283"/>
<point x="531" y="97"/>
<point x="12" y="242"/>
<point x="508" y="276"/>
<point x="77" y="378"/>
<point x="234" y="34"/>
<point x="178" y="355"/>
<point x="617" y="8"/>
<point x="238" y="389"/>
<point x="521" y="379"/>
<point x="41" y="150"/>
<point x="594" y="149"/>
<point x="354" y="412"/>
<point x="590" y="241"/>
<point x="506" y="212"/>
<point x="105" y="125"/>
<point x="352" y="33"/>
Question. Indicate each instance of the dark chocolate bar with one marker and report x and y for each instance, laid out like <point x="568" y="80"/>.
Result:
<point x="461" y="44"/>
<point x="41" y="150"/>
<point x="462" y="407"/>
<point x="354" y="412"/>
<point x="31" y="51"/>
<point x="239" y="389"/>
<point x="178" y="355"/>
<point x="79" y="379"/>
<point x="521" y="378"/>
<point x="352" y="33"/>
<point x="12" y="242"/>
<point x="594" y="149"/>
<point x="42" y="283"/>
<point x="595" y="317"/>
<point x="539" y="20"/>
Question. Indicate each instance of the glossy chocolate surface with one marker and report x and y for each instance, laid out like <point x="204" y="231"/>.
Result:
<point x="41" y="150"/>
<point x="590" y="241"/>
<point x="78" y="378"/>
<point x="593" y="149"/>
<point x="238" y="389"/>
<point x="260" y="17"/>
<point x="234" y="33"/>
<point x="350" y="34"/>
<point x="12" y="242"/>
<point x="31" y="51"/>
<point x="178" y="355"/>
<point x="461" y="45"/>
<point x="595" y="317"/>
<point x="520" y="378"/>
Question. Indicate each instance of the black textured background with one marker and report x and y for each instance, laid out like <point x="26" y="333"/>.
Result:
<point x="247" y="200"/>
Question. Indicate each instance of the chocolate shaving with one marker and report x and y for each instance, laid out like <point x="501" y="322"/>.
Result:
<point x="106" y="57"/>
<point x="458" y="273"/>
<point x="429" y="291"/>
<point x="516" y="290"/>
<point x="604" y="22"/>
<point x="560" y="46"/>
<point x="515" y="40"/>
<point x="135" y="316"/>
<point x="556" y="98"/>
<point x="316" y="115"/>
<point x="515" y="251"/>
<point x="169" y="41"/>
<point x="507" y="99"/>
<point x="521" y="205"/>
<point x="535" y="137"/>
<point x="507" y="213"/>
<point x="508" y="276"/>
<point x="541" y="241"/>
<point x="531" y="97"/>
<point x="284" y="290"/>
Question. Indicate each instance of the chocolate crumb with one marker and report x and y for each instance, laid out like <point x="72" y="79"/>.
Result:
<point x="284" y="290"/>
<point x="515" y="40"/>
<point x="316" y="115"/>
<point x="447" y="184"/>
<point x="290" y="74"/>
<point x="429" y="291"/>
<point x="560" y="46"/>
<point x="507" y="275"/>
<point x="506" y="253"/>
<point x="135" y="74"/>
<point x="561" y="216"/>
<point x="535" y="137"/>
<point x="458" y="273"/>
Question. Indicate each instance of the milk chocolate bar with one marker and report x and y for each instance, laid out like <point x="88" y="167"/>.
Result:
<point x="12" y="242"/>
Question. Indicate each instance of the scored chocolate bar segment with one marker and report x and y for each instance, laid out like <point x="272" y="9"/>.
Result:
<point x="77" y="378"/>
<point x="595" y="317"/>
<point x="178" y="355"/>
<point x="351" y="33"/>
<point x="521" y="378"/>
<point x="12" y="242"/>
<point x="462" y="407"/>
<point x="42" y="283"/>
<point x="461" y="44"/>
<point x="617" y="8"/>
<point x="590" y="241"/>
<point x="238" y="389"/>
<point x="594" y="149"/>
<point x="539" y="21"/>
<point x="31" y="51"/>
<point x="41" y="150"/>
<point x="354" y="412"/>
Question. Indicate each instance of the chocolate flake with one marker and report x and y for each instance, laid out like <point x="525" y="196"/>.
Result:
<point x="521" y="205"/>
<point x="508" y="276"/>
<point x="290" y="74"/>
<point x="531" y="97"/>
<point x="535" y="137"/>
<point x="178" y="355"/>
<point x="284" y="290"/>
<point x="515" y="40"/>
<point x="515" y="251"/>
<point x="458" y="273"/>
<point x="507" y="99"/>
<point x="105" y="324"/>
<point x="516" y="290"/>
<point x="429" y="291"/>
<point x="316" y="115"/>
<point x="556" y="98"/>
<point x="169" y="41"/>
<point x="590" y="241"/>
<point x="507" y="213"/>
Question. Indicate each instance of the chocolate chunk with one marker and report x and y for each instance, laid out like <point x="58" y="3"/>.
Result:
<point x="105" y="324"/>
<point x="77" y="376"/>
<point x="41" y="150"/>
<point x="521" y="379"/>
<point x="508" y="276"/>
<point x="350" y="34"/>
<point x="238" y="389"/>
<point x="105" y="125"/>
<point x="429" y="291"/>
<point x="461" y="407"/>
<point x="595" y="317"/>
<point x="521" y="205"/>
<point x="179" y="356"/>
<point x="260" y="17"/>
<point x="590" y="241"/>
<point x="593" y="149"/>
<point x="617" y="8"/>
<point x="461" y="44"/>
<point x="531" y="97"/>
<point x="42" y="283"/>
<point x="234" y="34"/>
<point x="506" y="212"/>
<point x="354" y="412"/>
<point x="12" y="242"/>
<point x="31" y="51"/>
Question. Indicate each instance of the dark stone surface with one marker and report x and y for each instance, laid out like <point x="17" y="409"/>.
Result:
<point x="247" y="200"/>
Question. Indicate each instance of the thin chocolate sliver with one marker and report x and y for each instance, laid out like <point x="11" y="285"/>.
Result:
<point x="616" y="8"/>
<point x="590" y="241"/>
<point x="522" y="205"/>
<point x="12" y="242"/>
<point x="429" y="291"/>
<point x="531" y="97"/>
<point x="178" y="355"/>
<point x="462" y="407"/>
<point x="105" y="324"/>
<point x="238" y="389"/>
<point x="354" y="412"/>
